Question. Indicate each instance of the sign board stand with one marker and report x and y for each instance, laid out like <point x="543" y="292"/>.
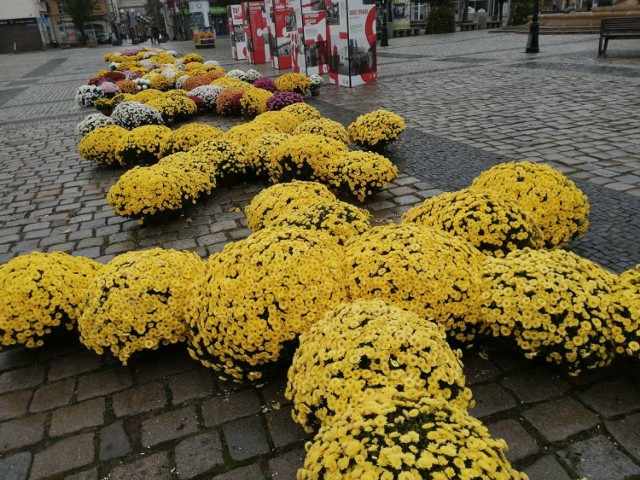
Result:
<point x="236" y="32"/>
<point x="256" y="32"/>
<point x="316" y="36"/>
<point x="276" y="12"/>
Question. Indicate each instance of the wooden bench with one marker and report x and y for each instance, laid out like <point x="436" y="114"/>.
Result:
<point x="621" y="28"/>
<point x="493" y="24"/>
<point x="464" y="26"/>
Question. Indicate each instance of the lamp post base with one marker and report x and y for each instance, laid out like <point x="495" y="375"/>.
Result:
<point x="532" y="41"/>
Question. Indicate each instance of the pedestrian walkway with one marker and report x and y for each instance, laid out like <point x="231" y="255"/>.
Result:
<point x="471" y="100"/>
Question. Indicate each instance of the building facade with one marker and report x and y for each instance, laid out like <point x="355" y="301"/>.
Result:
<point x="23" y="25"/>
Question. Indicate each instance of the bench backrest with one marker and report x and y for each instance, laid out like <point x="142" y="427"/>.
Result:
<point x="621" y="24"/>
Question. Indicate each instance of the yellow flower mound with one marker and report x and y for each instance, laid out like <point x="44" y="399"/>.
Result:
<point x="554" y="202"/>
<point x="143" y="145"/>
<point x="100" y="144"/>
<point x="304" y="157"/>
<point x="227" y="156"/>
<point x="426" y="271"/>
<point x="246" y="133"/>
<point x="376" y="129"/>
<point x="159" y="82"/>
<point x="192" y="58"/>
<point x="173" y="107"/>
<point x="625" y="321"/>
<point x="553" y="304"/>
<point x="303" y="111"/>
<point x="285" y="121"/>
<point x="40" y="292"/>
<point x="275" y="203"/>
<point x="189" y="136"/>
<point x="360" y="173"/>
<point x="176" y="92"/>
<point x="138" y="302"/>
<point x="325" y="127"/>
<point x="259" y="151"/>
<point x="406" y="439"/>
<point x="201" y="172"/>
<point x="144" y="96"/>
<point x="367" y="348"/>
<point x="339" y="219"/>
<point x="254" y="102"/>
<point x="228" y="82"/>
<point x="259" y="295"/>
<point x="293" y="82"/>
<point x="492" y="225"/>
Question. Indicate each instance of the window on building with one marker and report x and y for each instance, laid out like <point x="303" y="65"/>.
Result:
<point x="62" y="7"/>
<point x="419" y="11"/>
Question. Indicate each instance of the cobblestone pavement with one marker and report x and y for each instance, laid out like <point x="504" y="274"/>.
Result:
<point x="471" y="100"/>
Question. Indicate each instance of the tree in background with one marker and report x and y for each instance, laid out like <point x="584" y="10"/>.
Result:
<point x="441" y="17"/>
<point x="520" y="10"/>
<point x="81" y="12"/>
<point x="154" y="10"/>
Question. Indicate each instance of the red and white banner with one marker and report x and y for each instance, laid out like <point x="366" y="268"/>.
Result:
<point x="295" y="33"/>
<point x="276" y="12"/>
<point x="316" y="36"/>
<point x="236" y="32"/>
<point x="256" y="32"/>
<point x="352" y="28"/>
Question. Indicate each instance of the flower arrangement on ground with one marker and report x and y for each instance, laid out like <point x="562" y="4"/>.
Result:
<point x="492" y="225"/>
<point x="265" y="84"/>
<point x="188" y="136"/>
<point x="148" y="95"/>
<point x="101" y="144"/>
<point x="127" y="86"/>
<point x="40" y="292"/>
<point x="246" y="133"/>
<point x="375" y="130"/>
<point x="259" y="295"/>
<point x="208" y="94"/>
<point x="254" y="102"/>
<point x="555" y="203"/>
<point x="87" y="94"/>
<point x="369" y="348"/>
<point x="109" y="89"/>
<point x="280" y="100"/>
<point x="625" y="319"/>
<point x="228" y="82"/>
<point x="316" y="82"/>
<point x="361" y="174"/>
<point x="339" y="219"/>
<point x="325" y="127"/>
<point x="159" y="82"/>
<point x="275" y="203"/>
<point x="408" y="438"/>
<point x="131" y="115"/>
<point x="303" y="111"/>
<point x="91" y="122"/>
<point x="426" y="271"/>
<point x="294" y="82"/>
<point x="227" y="156"/>
<point x="553" y="304"/>
<point x="251" y="75"/>
<point x="228" y="101"/>
<point x="237" y="74"/>
<point x="174" y="108"/>
<point x="259" y="151"/>
<point x="137" y="302"/>
<point x="285" y="121"/>
<point x="143" y="145"/>
<point x="304" y="157"/>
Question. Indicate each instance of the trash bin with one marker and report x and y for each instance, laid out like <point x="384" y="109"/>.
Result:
<point x="481" y="18"/>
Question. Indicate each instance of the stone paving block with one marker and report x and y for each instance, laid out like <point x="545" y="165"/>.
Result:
<point x="534" y="385"/>
<point x="21" y="432"/>
<point x="168" y="426"/>
<point x="158" y="365"/>
<point x="14" y="404"/>
<point x="76" y="417"/>
<point x="103" y="383"/>
<point x="53" y="395"/>
<point x="139" y="400"/>
<point x="273" y="392"/>
<point x="225" y="408"/>
<point x="156" y="467"/>
<point x="477" y="369"/>
<point x="284" y="431"/>
<point x="490" y="398"/>
<point x="521" y="444"/>
<point x="91" y="474"/>
<point x="16" y="357"/>
<point x="252" y="472"/>
<point x="195" y="383"/>
<point x="72" y="365"/>
<point x="547" y="468"/>
<point x="597" y="457"/>
<point x="626" y="432"/>
<point x="15" y="467"/>
<point x="246" y="438"/>
<point x="64" y="455"/>
<point x="560" y="419"/>
<point x="19" y="379"/>
<point x="612" y="398"/>
<point x="114" y="442"/>
<point x="196" y="455"/>
<point x="285" y="467"/>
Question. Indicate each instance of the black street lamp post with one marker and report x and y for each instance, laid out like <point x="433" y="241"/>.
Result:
<point x="534" y="29"/>
<point x="384" y="34"/>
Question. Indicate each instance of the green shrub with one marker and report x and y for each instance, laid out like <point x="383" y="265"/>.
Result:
<point x="440" y="20"/>
<point x="519" y="12"/>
